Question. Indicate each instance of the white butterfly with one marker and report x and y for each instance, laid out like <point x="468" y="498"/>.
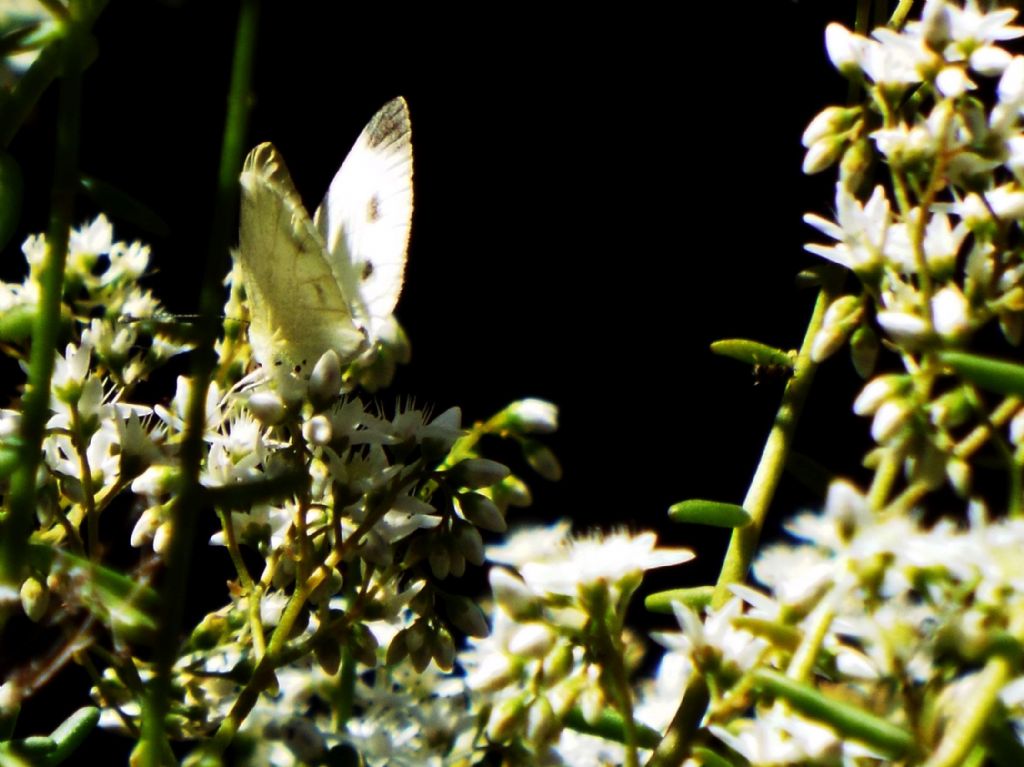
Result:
<point x="331" y="282"/>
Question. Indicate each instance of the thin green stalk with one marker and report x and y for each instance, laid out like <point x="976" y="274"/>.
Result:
<point x="47" y="67"/>
<point x="802" y="663"/>
<point x="899" y="16"/>
<point x="769" y="471"/>
<point x="153" y="744"/>
<point x="676" y="744"/>
<point x="966" y="729"/>
<point x="16" y="525"/>
<point x="92" y="517"/>
<point x="253" y="595"/>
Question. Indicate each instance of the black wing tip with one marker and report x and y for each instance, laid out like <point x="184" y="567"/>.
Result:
<point x="391" y="123"/>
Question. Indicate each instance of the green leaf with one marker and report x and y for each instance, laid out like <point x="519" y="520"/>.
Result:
<point x="72" y="733"/>
<point x="848" y="719"/>
<point x="34" y="747"/>
<point x="987" y="372"/>
<point x="610" y="727"/>
<point x="120" y="204"/>
<point x="700" y="512"/>
<point x="754" y="353"/>
<point x="695" y="598"/>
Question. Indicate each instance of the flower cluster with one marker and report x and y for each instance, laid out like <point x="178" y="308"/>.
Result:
<point x="885" y="634"/>
<point x="341" y="632"/>
<point x="937" y="249"/>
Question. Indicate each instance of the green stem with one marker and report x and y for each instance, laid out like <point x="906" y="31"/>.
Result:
<point x="769" y="471"/>
<point x="676" y="744"/>
<point x="203" y="364"/>
<point x="47" y="67"/>
<point x="16" y="526"/>
<point x="899" y="16"/>
<point x="965" y="730"/>
<point x="802" y="663"/>
<point x="92" y="517"/>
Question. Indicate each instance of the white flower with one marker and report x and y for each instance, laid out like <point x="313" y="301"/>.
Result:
<point x="973" y="32"/>
<point x="951" y="312"/>
<point x="599" y="558"/>
<point x="903" y="326"/>
<point x="531" y="544"/>
<point x="716" y="633"/>
<point x="861" y="230"/>
<point x="777" y="738"/>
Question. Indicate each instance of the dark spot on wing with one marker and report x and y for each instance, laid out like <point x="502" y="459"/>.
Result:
<point x="373" y="209"/>
<point x="367" y="271"/>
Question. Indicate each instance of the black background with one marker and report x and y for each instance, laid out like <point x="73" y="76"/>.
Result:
<point x="599" y="196"/>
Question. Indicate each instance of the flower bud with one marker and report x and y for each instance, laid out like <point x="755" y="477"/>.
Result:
<point x="326" y="379"/>
<point x="542" y="726"/>
<point x="827" y="122"/>
<point x="864" y="349"/>
<point x="443" y="649"/>
<point x="903" y="327"/>
<point x="162" y="538"/>
<point x="475" y="473"/>
<point x="439" y="559"/>
<point x="481" y="511"/>
<point x="318" y="431"/>
<point x="267" y="406"/>
<point x="469" y="542"/>
<point x="951" y="313"/>
<point x="542" y="460"/>
<point x="467" y="616"/>
<point x="397" y="650"/>
<point x="877" y="392"/>
<point x="533" y="640"/>
<point x="512" y="594"/>
<point x="842" y="46"/>
<point x="533" y="416"/>
<point x="822" y="154"/>
<point x="889" y="420"/>
<point x="557" y="664"/>
<point x="35" y="598"/>
<point x="495" y="672"/>
<point x="507" y="718"/>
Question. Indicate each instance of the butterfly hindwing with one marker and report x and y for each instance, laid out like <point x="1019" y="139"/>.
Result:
<point x="296" y="306"/>
<point x="366" y="214"/>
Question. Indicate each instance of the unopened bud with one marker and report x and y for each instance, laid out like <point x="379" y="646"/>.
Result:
<point x="481" y="511"/>
<point x="268" y="407"/>
<point x="318" y="431"/>
<point x="533" y="416"/>
<point x="477" y="472"/>
<point x="35" y="598"/>
<point x="326" y="379"/>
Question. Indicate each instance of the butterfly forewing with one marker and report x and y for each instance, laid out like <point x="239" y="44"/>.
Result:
<point x="365" y="217"/>
<point x="296" y="306"/>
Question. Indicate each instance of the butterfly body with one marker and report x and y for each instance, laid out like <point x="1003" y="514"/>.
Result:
<point x="331" y="281"/>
